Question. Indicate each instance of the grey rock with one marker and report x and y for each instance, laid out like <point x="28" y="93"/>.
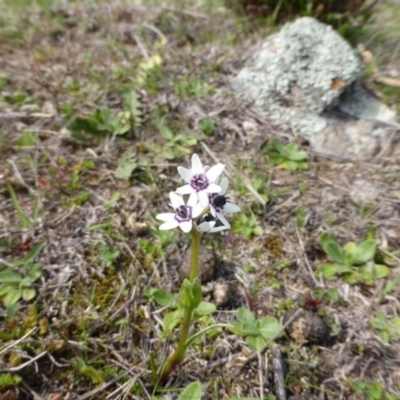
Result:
<point x="306" y="79"/>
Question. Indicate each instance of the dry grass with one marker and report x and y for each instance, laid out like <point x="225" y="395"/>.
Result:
<point x="90" y="332"/>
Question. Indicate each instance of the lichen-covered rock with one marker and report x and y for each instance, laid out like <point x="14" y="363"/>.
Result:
<point x="307" y="79"/>
<point x="305" y="66"/>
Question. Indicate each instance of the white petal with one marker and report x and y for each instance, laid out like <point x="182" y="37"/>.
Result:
<point x="169" y="225"/>
<point x="206" y="226"/>
<point x="165" y="217"/>
<point x="186" y="226"/>
<point x="193" y="200"/>
<point x="224" y="185"/>
<point x="198" y="209"/>
<point x="219" y="228"/>
<point x="203" y="198"/>
<point x="185" y="174"/>
<point x="213" y="188"/>
<point x="176" y="200"/>
<point x="186" y="189"/>
<point x="197" y="166"/>
<point x="213" y="211"/>
<point x="231" y="208"/>
<point x="223" y="220"/>
<point x="214" y="172"/>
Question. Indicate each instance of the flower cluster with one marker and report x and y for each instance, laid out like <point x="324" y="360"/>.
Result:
<point x="206" y="200"/>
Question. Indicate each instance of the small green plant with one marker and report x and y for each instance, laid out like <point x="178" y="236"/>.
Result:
<point x="370" y="391"/>
<point x="256" y="331"/>
<point x="177" y="145"/>
<point x="192" y="392"/>
<point x="354" y="262"/>
<point x="8" y="380"/>
<point x="103" y="121"/>
<point x="285" y="156"/>
<point x="190" y="87"/>
<point x="26" y="221"/>
<point x="388" y="329"/>
<point x="207" y="126"/>
<point x="107" y="256"/>
<point x="17" y="278"/>
<point x="173" y="318"/>
<point x="246" y="225"/>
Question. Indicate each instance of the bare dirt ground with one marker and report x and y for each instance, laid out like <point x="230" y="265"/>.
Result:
<point x="88" y="330"/>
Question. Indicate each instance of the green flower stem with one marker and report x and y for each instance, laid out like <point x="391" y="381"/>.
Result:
<point x="180" y="352"/>
<point x="194" y="262"/>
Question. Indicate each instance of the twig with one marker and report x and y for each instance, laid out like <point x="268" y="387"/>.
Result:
<point x="22" y="366"/>
<point x="33" y="330"/>
<point x="311" y="272"/>
<point x="260" y="374"/>
<point x="279" y="376"/>
<point x="106" y="385"/>
<point x="295" y="195"/>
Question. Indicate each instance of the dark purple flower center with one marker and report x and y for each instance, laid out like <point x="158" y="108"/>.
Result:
<point x="218" y="201"/>
<point x="183" y="213"/>
<point x="199" y="182"/>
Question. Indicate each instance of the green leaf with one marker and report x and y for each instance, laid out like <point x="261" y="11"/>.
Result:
<point x="364" y="252"/>
<point x="12" y="297"/>
<point x="5" y="289"/>
<point x="255" y="343"/>
<point x="250" y="328"/>
<point x="22" y="216"/>
<point x="245" y="315"/>
<point x="10" y="277"/>
<point x="196" y="291"/>
<point x="163" y="298"/>
<point x="172" y="319"/>
<point x="186" y="294"/>
<point x="127" y="163"/>
<point x="28" y="294"/>
<point x="31" y="255"/>
<point x="192" y="392"/>
<point x="34" y="274"/>
<point x="166" y="133"/>
<point x="269" y="327"/>
<point x="332" y="248"/>
<point x="236" y="328"/>
<point x="385" y="337"/>
<point x="374" y="271"/>
<point x="327" y="270"/>
<point x="204" y="308"/>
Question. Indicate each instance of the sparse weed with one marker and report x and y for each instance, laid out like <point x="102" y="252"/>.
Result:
<point x="18" y="277"/>
<point x="246" y="225"/>
<point x="257" y="332"/>
<point x="356" y="263"/>
<point x="388" y="329"/>
<point x="285" y="156"/>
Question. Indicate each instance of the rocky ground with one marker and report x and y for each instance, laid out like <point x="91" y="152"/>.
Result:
<point x="99" y="103"/>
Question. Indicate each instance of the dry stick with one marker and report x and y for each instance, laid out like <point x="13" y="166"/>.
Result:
<point x="22" y="366"/>
<point x="316" y="282"/>
<point x="276" y="209"/>
<point x="33" y="330"/>
<point x="105" y="385"/>
<point x="279" y="376"/>
<point x="260" y="374"/>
